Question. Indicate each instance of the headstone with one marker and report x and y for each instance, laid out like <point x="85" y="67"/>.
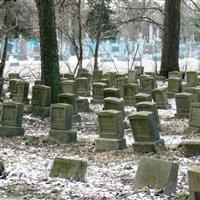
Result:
<point x="175" y="74"/>
<point x="191" y="147"/>
<point x="11" y="119"/>
<point x="145" y="132"/>
<point x="82" y="87"/>
<point x="160" y="97"/>
<point x="194" y="117"/>
<point x="194" y="182"/>
<point x="120" y="82"/>
<point x="68" y="76"/>
<point x="147" y="84"/>
<point x="1" y="86"/>
<point x="68" y="86"/>
<point x="13" y="76"/>
<point x="192" y="78"/>
<point x="195" y="91"/>
<point x="111" y="92"/>
<point x="174" y="86"/>
<point x="157" y="174"/>
<point x="132" y="76"/>
<point x="106" y="81"/>
<point x="97" y="93"/>
<point x="130" y="90"/>
<point x="69" y="169"/>
<point x="111" y="131"/>
<point x="97" y="75"/>
<point x="41" y="100"/>
<point x="83" y="105"/>
<point x="21" y="92"/>
<point x="140" y="97"/>
<point x="111" y="76"/>
<point x="183" y="102"/>
<point x="61" y="124"/>
<point x="11" y="88"/>
<point x="140" y="70"/>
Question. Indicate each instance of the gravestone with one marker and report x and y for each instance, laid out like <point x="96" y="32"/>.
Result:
<point x="130" y="90"/>
<point x="194" y="117"/>
<point x="132" y="76"/>
<point x="151" y="107"/>
<point x="61" y="124"/>
<point x="11" y="88"/>
<point x="97" y="75"/>
<point x="111" y="92"/>
<point x="111" y="76"/>
<point x="145" y="132"/>
<point x="183" y="102"/>
<point x="192" y="78"/>
<point x="119" y="83"/>
<point x="147" y="84"/>
<point x="194" y="183"/>
<point x="68" y="86"/>
<point x="140" y="70"/>
<point x="97" y="92"/>
<point x="83" y="105"/>
<point x="157" y="174"/>
<point x="21" y="92"/>
<point x="160" y="97"/>
<point x="1" y="86"/>
<point x="68" y="76"/>
<point x="11" y="119"/>
<point x="69" y="169"/>
<point x="41" y="100"/>
<point x="191" y="147"/>
<point x="70" y="98"/>
<point x="111" y="131"/>
<point x="140" y="97"/>
<point x="195" y="91"/>
<point x="175" y="74"/>
<point x="13" y="76"/>
<point x="152" y="74"/>
<point x="174" y="86"/>
<point x="82" y="87"/>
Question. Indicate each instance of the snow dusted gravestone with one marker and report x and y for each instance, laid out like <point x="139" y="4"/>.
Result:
<point x="82" y="87"/>
<point x="68" y="86"/>
<point x="111" y="92"/>
<point x="192" y="78"/>
<point x="174" y="86"/>
<point x="140" y="97"/>
<point x="69" y="169"/>
<point x="11" y="119"/>
<point x="148" y="84"/>
<point x="12" y="84"/>
<point x="194" y="183"/>
<point x="183" y="102"/>
<point x="159" y="174"/>
<point x="111" y="76"/>
<point x="119" y="83"/>
<point x="61" y="124"/>
<point x="41" y="100"/>
<point x="145" y="132"/>
<point x="160" y="97"/>
<point x="130" y="90"/>
<point x="132" y="76"/>
<point x="97" y="92"/>
<point x="21" y="92"/>
<point x="111" y="131"/>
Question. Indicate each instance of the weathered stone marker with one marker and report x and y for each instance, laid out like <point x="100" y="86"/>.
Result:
<point x="158" y="174"/>
<point x="119" y="83"/>
<point x="69" y="169"/>
<point x="192" y="78"/>
<point x="191" y="147"/>
<point x="132" y="76"/>
<point x="97" y="92"/>
<point x="11" y="88"/>
<point x="174" y="86"/>
<point x="83" y="105"/>
<point x="111" y="92"/>
<point x="145" y="132"/>
<point x="130" y="90"/>
<point x="111" y="131"/>
<point x="68" y="86"/>
<point x="97" y="75"/>
<point x="175" y="74"/>
<point x="61" y="124"/>
<point x="11" y="119"/>
<point x="82" y="87"/>
<point x="148" y="84"/>
<point x="194" y="118"/>
<point x="140" y="97"/>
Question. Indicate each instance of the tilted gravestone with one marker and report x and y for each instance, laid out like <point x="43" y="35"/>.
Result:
<point x="11" y="119"/>
<point x="61" y="124"/>
<point x="68" y="86"/>
<point x="111" y="131"/>
<point x="82" y="87"/>
<point x="160" y="97"/>
<point x="97" y="92"/>
<point x="183" y="102"/>
<point x="194" y="183"/>
<point x="41" y="100"/>
<point x="21" y="92"/>
<point x="111" y="92"/>
<point x="140" y="97"/>
<point x="83" y="105"/>
<point x="159" y="174"/>
<point x="174" y="86"/>
<point x="145" y="132"/>
<point x="69" y="169"/>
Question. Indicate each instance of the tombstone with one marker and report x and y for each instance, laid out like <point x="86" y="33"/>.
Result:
<point x="1" y="86"/>
<point x="111" y="76"/>
<point x="183" y="101"/>
<point x="194" y="117"/>
<point x="82" y="87"/>
<point x="120" y="82"/>
<point x="194" y="183"/>
<point x="111" y="131"/>
<point x="68" y="86"/>
<point x="140" y="70"/>
<point x="61" y="124"/>
<point x="11" y="119"/>
<point x="97" y="93"/>
<point x="70" y="98"/>
<point x="132" y="76"/>
<point x="111" y="92"/>
<point x="192" y="78"/>
<point x="174" y="86"/>
<point x="106" y="81"/>
<point x="68" y="76"/>
<point x="41" y="100"/>
<point x="69" y="169"/>
<point x="148" y="84"/>
<point x="151" y="107"/>
<point x="152" y="74"/>
<point x="130" y="90"/>
<point x="191" y="147"/>
<point x="157" y="174"/>
<point x="145" y="132"/>
<point x="175" y="74"/>
<point x="140" y="97"/>
<point x="97" y="75"/>
<point x="83" y="105"/>
<point x="21" y="92"/>
<point x="11" y="88"/>
<point x="13" y="76"/>
<point x="160" y="97"/>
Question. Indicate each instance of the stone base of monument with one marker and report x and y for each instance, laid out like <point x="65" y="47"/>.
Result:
<point x="107" y="144"/>
<point x="97" y="101"/>
<point x="145" y="147"/>
<point x="62" y="136"/>
<point x="191" y="148"/>
<point x="9" y="131"/>
<point x="182" y="115"/>
<point x="76" y="118"/>
<point x="41" y="111"/>
<point x="129" y="103"/>
<point x="21" y="100"/>
<point x="171" y="95"/>
<point x="191" y="130"/>
<point x="166" y="106"/>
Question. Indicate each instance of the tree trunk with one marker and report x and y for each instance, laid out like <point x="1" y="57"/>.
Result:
<point x="50" y="75"/>
<point x="171" y="34"/>
<point x="4" y="56"/>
